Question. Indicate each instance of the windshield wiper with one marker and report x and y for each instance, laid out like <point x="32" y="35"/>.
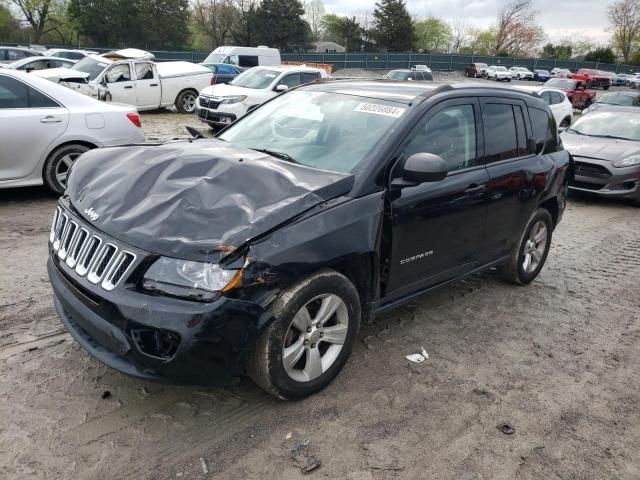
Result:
<point x="280" y="155"/>
<point x="574" y="131"/>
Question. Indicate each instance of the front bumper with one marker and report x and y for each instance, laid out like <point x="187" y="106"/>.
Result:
<point x="218" y="114"/>
<point x="599" y="177"/>
<point x="210" y="340"/>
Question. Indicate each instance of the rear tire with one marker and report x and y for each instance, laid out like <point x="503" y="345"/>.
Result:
<point x="186" y="101"/>
<point x="57" y="166"/>
<point x="309" y="341"/>
<point x="529" y="256"/>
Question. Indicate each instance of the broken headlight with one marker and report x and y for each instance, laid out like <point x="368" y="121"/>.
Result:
<point x="193" y="280"/>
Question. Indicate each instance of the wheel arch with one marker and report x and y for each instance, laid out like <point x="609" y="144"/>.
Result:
<point x="62" y="145"/>
<point x="551" y="205"/>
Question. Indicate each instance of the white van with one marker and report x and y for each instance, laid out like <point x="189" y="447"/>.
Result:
<point x="244" y="56"/>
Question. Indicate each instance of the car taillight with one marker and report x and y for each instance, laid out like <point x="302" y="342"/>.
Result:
<point x="135" y="119"/>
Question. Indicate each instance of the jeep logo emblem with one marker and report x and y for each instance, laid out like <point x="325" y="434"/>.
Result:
<point x="90" y="212"/>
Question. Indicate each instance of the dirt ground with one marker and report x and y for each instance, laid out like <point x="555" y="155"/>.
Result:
<point x="557" y="360"/>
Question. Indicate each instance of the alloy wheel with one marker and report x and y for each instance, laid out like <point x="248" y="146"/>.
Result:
<point x="63" y="166"/>
<point x="189" y="102"/>
<point x="315" y="337"/>
<point x="534" y="247"/>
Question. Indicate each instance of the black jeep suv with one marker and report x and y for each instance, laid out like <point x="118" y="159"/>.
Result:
<point x="261" y="250"/>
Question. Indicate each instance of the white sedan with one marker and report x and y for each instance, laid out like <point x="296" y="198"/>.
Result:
<point x="558" y="102"/>
<point x="45" y="127"/>
<point x="498" y="73"/>
<point x="521" y="73"/>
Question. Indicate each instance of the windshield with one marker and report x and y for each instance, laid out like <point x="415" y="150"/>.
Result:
<point x="255" y="78"/>
<point x="215" y="58"/>
<point x="91" y="66"/>
<point x="330" y="131"/>
<point x="609" y="124"/>
<point x="560" y="83"/>
<point x="615" y="99"/>
<point x="396" y="75"/>
<point x="500" y="69"/>
<point x="543" y="72"/>
<point x="481" y="65"/>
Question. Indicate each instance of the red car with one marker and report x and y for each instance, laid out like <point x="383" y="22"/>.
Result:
<point x="592" y="78"/>
<point x="476" y="70"/>
<point x="579" y="95"/>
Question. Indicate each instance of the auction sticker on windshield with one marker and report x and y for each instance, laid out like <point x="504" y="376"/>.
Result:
<point x="378" y="109"/>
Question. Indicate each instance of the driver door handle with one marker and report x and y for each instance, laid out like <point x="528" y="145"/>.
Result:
<point x="153" y="84"/>
<point x="50" y="119"/>
<point x="474" y="188"/>
<point x="128" y="87"/>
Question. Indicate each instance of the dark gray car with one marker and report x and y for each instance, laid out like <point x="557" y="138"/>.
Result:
<point x="605" y="145"/>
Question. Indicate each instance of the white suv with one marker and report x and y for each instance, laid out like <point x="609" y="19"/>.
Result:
<point x="223" y="104"/>
<point x="498" y="73"/>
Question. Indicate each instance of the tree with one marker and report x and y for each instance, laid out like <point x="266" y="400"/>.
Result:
<point x="560" y="52"/>
<point x="460" y="34"/>
<point x="281" y="24"/>
<point x="624" y="17"/>
<point x="40" y="15"/>
<point x="602" y="55"/>
<point x="216" y="19"/>
<point x="152" y="24"/>
<point x="432" y="35"/>
<point x="244" y="30"/>
<point x="343" y="30"/>
<point x="392" y="26"/>
<point x="517" y="31"/>
<point x="483" y="42"/>
<point x="314" y="14"/>
<point x="9" y="25"/>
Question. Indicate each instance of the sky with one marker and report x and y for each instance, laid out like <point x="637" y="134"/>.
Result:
<point x="561" y="19"/>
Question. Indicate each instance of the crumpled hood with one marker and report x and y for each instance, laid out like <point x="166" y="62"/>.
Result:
<point x="197" y="200"/>
<point x="599" y="148"/>
<point x="60" y="73"/>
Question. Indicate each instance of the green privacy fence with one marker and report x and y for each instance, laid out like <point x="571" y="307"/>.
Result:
<point x="442" y="62"/>
<point x="390" y="61"/>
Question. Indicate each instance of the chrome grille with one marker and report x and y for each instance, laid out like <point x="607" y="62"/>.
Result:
<point x="87" y="253"/>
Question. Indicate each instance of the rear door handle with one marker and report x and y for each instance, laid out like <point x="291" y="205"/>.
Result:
<point x="473" y="188"/>
<point x="153" y="84"/>
<point x="128" y="87"/>
<point x="50" y="119"/>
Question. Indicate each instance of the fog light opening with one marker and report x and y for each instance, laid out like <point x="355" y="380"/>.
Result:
<point x="156" y="342"/>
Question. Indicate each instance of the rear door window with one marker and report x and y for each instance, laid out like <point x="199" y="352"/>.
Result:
<point x="556" y="98"/>
<point x="292" y="80"/>
<point x="119" y="73"/>
<point x="144" y="71"/>
<point x="15" y="94"/>
<point x="500" y="132"/>
<point x="310" y="77"/>
<point x="248" y="61"/>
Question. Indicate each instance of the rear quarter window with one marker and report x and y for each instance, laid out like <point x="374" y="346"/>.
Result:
<point x="545" y="131"/>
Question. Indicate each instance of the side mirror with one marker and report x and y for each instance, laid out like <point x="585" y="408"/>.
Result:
<point x="422" y="168"/>
<point x="281" y="88"/>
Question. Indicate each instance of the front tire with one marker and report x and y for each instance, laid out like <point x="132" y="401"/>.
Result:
<point x="56" y="168"/>
<point x="565" y="123"/>
<point x="315" y="324"/>
<point x="186" y="101"/>
<point x="528" y="258"/>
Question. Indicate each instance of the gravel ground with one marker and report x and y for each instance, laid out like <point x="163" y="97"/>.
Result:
<point x="556" y="360"/>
